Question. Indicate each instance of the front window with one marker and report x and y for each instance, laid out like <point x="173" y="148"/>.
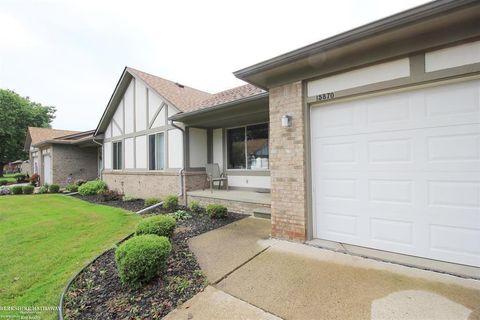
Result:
<point x="247" y="147"/>
<point x="156" y="151"/>
<point x="117" y="155"/>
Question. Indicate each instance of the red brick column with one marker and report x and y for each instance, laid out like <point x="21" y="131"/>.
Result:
<point x="288" y="163"/>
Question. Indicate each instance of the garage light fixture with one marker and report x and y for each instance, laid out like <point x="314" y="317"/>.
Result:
<point x="286" y="121"/>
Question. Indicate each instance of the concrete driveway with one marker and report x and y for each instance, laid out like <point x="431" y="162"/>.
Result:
<point x="295" y="281"/>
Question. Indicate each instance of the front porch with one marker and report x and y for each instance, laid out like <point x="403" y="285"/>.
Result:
<point x="242" y="201"/>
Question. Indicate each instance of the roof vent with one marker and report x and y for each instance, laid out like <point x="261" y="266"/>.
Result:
<point x="179" y="85"/>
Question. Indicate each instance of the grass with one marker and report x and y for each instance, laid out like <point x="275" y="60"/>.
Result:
<point x="46" y="239"/>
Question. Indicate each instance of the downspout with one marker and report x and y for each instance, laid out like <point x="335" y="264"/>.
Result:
<point x="101" y="145"/>
<point x="181" y="175"/>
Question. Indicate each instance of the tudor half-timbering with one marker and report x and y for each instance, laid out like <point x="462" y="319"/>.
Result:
<point x="158" y="136"/>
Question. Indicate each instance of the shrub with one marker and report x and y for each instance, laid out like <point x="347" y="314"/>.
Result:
<point x="142" y="258"/>
<point x="170" y="202"/>
<point x="159" y="225"/>
<point x="128" y="198"/>
<point x="54" y="188"/>
<point x="43" y="189"/>
<point x="109" y="195"/>
<point x="34" y="179"/>
<point x="16" y="190"/>
<point x="92" y="187"/>
<point x="28" y="189"/>
<point x="194" y="206"/>
<point x="181" y="215"/>
<point x="3" y="182"/>
<point x="71" y="187"/>
<point x="216" y="211"/>
<point x="151" y="201"/>
<point x="4" y="191"/>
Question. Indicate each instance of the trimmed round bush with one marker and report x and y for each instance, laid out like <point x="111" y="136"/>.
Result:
<point x="142" y="258"/>
<point x="151" y="201"/>
<point x="43" y="189"/>
<point x="28" y="189"/>
<point x="170" y="202"/>
<point x="158" y="225"/>
<point x="16" y="190"/>
<point x="216" y="211"/>
<point x="92" y="187"/>
<point x="54" y="188"/>
<point x="3" y="182"/>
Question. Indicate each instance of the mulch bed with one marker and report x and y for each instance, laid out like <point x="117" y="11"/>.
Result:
<point x="97" y="292"/>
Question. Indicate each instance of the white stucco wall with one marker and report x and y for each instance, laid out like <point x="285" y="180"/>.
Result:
<point x="175" y="148"/>
<point x="129" y="154"/>
<point x="107" y="156"/>
<point x="128" y="104"/>
<point x="141" y="152"/>
<point x="218" y="147"/>
<point x="198" y="147"/>
<point x="140" y="106"/>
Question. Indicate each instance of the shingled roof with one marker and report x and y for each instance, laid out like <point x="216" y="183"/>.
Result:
<point x="230" y="95"/>
<point x="185" y="98"/>
<point x="41" y="134"/>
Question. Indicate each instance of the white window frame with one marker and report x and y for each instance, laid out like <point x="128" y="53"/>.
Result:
<point x="115" y="154"/>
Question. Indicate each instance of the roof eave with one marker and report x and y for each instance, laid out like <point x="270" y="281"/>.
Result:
<point x="182" y="116"/>
<point x="398" y="20"/>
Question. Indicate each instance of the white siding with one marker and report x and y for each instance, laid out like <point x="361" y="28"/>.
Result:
<point x="117" y="123"/>
<point x="129" y="108"/>
<point x="198" y="147"/>
<point x="464" y="54"/>
<point x="250" y="181"/>
<point x="218" y="147"/>
<point x="107" y="157"/>
<point x="140" y="106"/>
<point x="129" y="154"/>
<point x="141" y="152"/>
<point x="154" y="102"/>
<point x="175" y="149"/>
<point x="360" y="77"/>
<point x="160" y="119"/>
<point x="172" y="111"/>
<point x="108" y="132"/>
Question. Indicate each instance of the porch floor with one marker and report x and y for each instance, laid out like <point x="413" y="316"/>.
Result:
<point x="233" y="195"/>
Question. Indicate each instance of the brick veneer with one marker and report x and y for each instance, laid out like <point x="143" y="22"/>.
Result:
<point x="288" y="163"/>
<point x="75" y="162"/>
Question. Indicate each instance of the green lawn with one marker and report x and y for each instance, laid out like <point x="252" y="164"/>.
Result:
<point x="46" y="239"/>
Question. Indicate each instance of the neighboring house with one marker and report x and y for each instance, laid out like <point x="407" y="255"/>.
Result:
<point x="369" y="138"/>
<point x="62" y="156"/>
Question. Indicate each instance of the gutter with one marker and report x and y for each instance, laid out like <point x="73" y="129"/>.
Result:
<point x="182" y="192"/>
<point x="403" y="18"/>
<point x="181" y="116"/>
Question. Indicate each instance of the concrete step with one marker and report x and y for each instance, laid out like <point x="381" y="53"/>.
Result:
<point x="262" y="212"/>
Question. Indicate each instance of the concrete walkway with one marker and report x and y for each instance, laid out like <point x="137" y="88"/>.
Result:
<point x="296" y="281"/>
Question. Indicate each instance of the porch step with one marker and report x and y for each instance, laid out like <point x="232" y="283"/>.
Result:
<point x="262" y="212"/>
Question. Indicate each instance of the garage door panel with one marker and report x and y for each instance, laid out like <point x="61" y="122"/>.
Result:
<point x="401" y="172"/>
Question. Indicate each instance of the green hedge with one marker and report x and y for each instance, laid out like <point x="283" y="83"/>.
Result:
<point x="28" y="189"/>
<point x="159" y="225"/>
<point x="54" y="188"/>
<point x="142" y="258"/>
<point x="170" y="202"/>
<point x="16" y="190"/>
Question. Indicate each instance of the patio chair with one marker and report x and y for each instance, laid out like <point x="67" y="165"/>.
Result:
<point x="214" y="175"/>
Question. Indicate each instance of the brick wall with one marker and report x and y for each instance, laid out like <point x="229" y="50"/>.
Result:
<point x="80" y="163"/>
<point x="233" y="206"/>
<point x="288" y="163"/>
<point x="151" y="184"/>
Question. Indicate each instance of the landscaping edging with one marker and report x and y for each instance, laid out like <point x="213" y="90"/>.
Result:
<point x="62" y="297"/>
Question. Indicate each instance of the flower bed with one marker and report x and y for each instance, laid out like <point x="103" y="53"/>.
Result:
<point x="97" y="292"/>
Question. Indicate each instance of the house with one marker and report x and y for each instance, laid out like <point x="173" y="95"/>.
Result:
<point x="62" y="156"/>
<point x="369" y="138"/>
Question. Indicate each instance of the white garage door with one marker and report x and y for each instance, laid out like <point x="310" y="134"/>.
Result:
<point x="401" y="172"/>
<point x="47" y="169"/>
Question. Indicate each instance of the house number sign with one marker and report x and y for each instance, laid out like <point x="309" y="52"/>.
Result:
<point x="325" y="96"/>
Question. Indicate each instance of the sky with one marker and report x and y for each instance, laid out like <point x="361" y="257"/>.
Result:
<point x="70" y="54"/>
